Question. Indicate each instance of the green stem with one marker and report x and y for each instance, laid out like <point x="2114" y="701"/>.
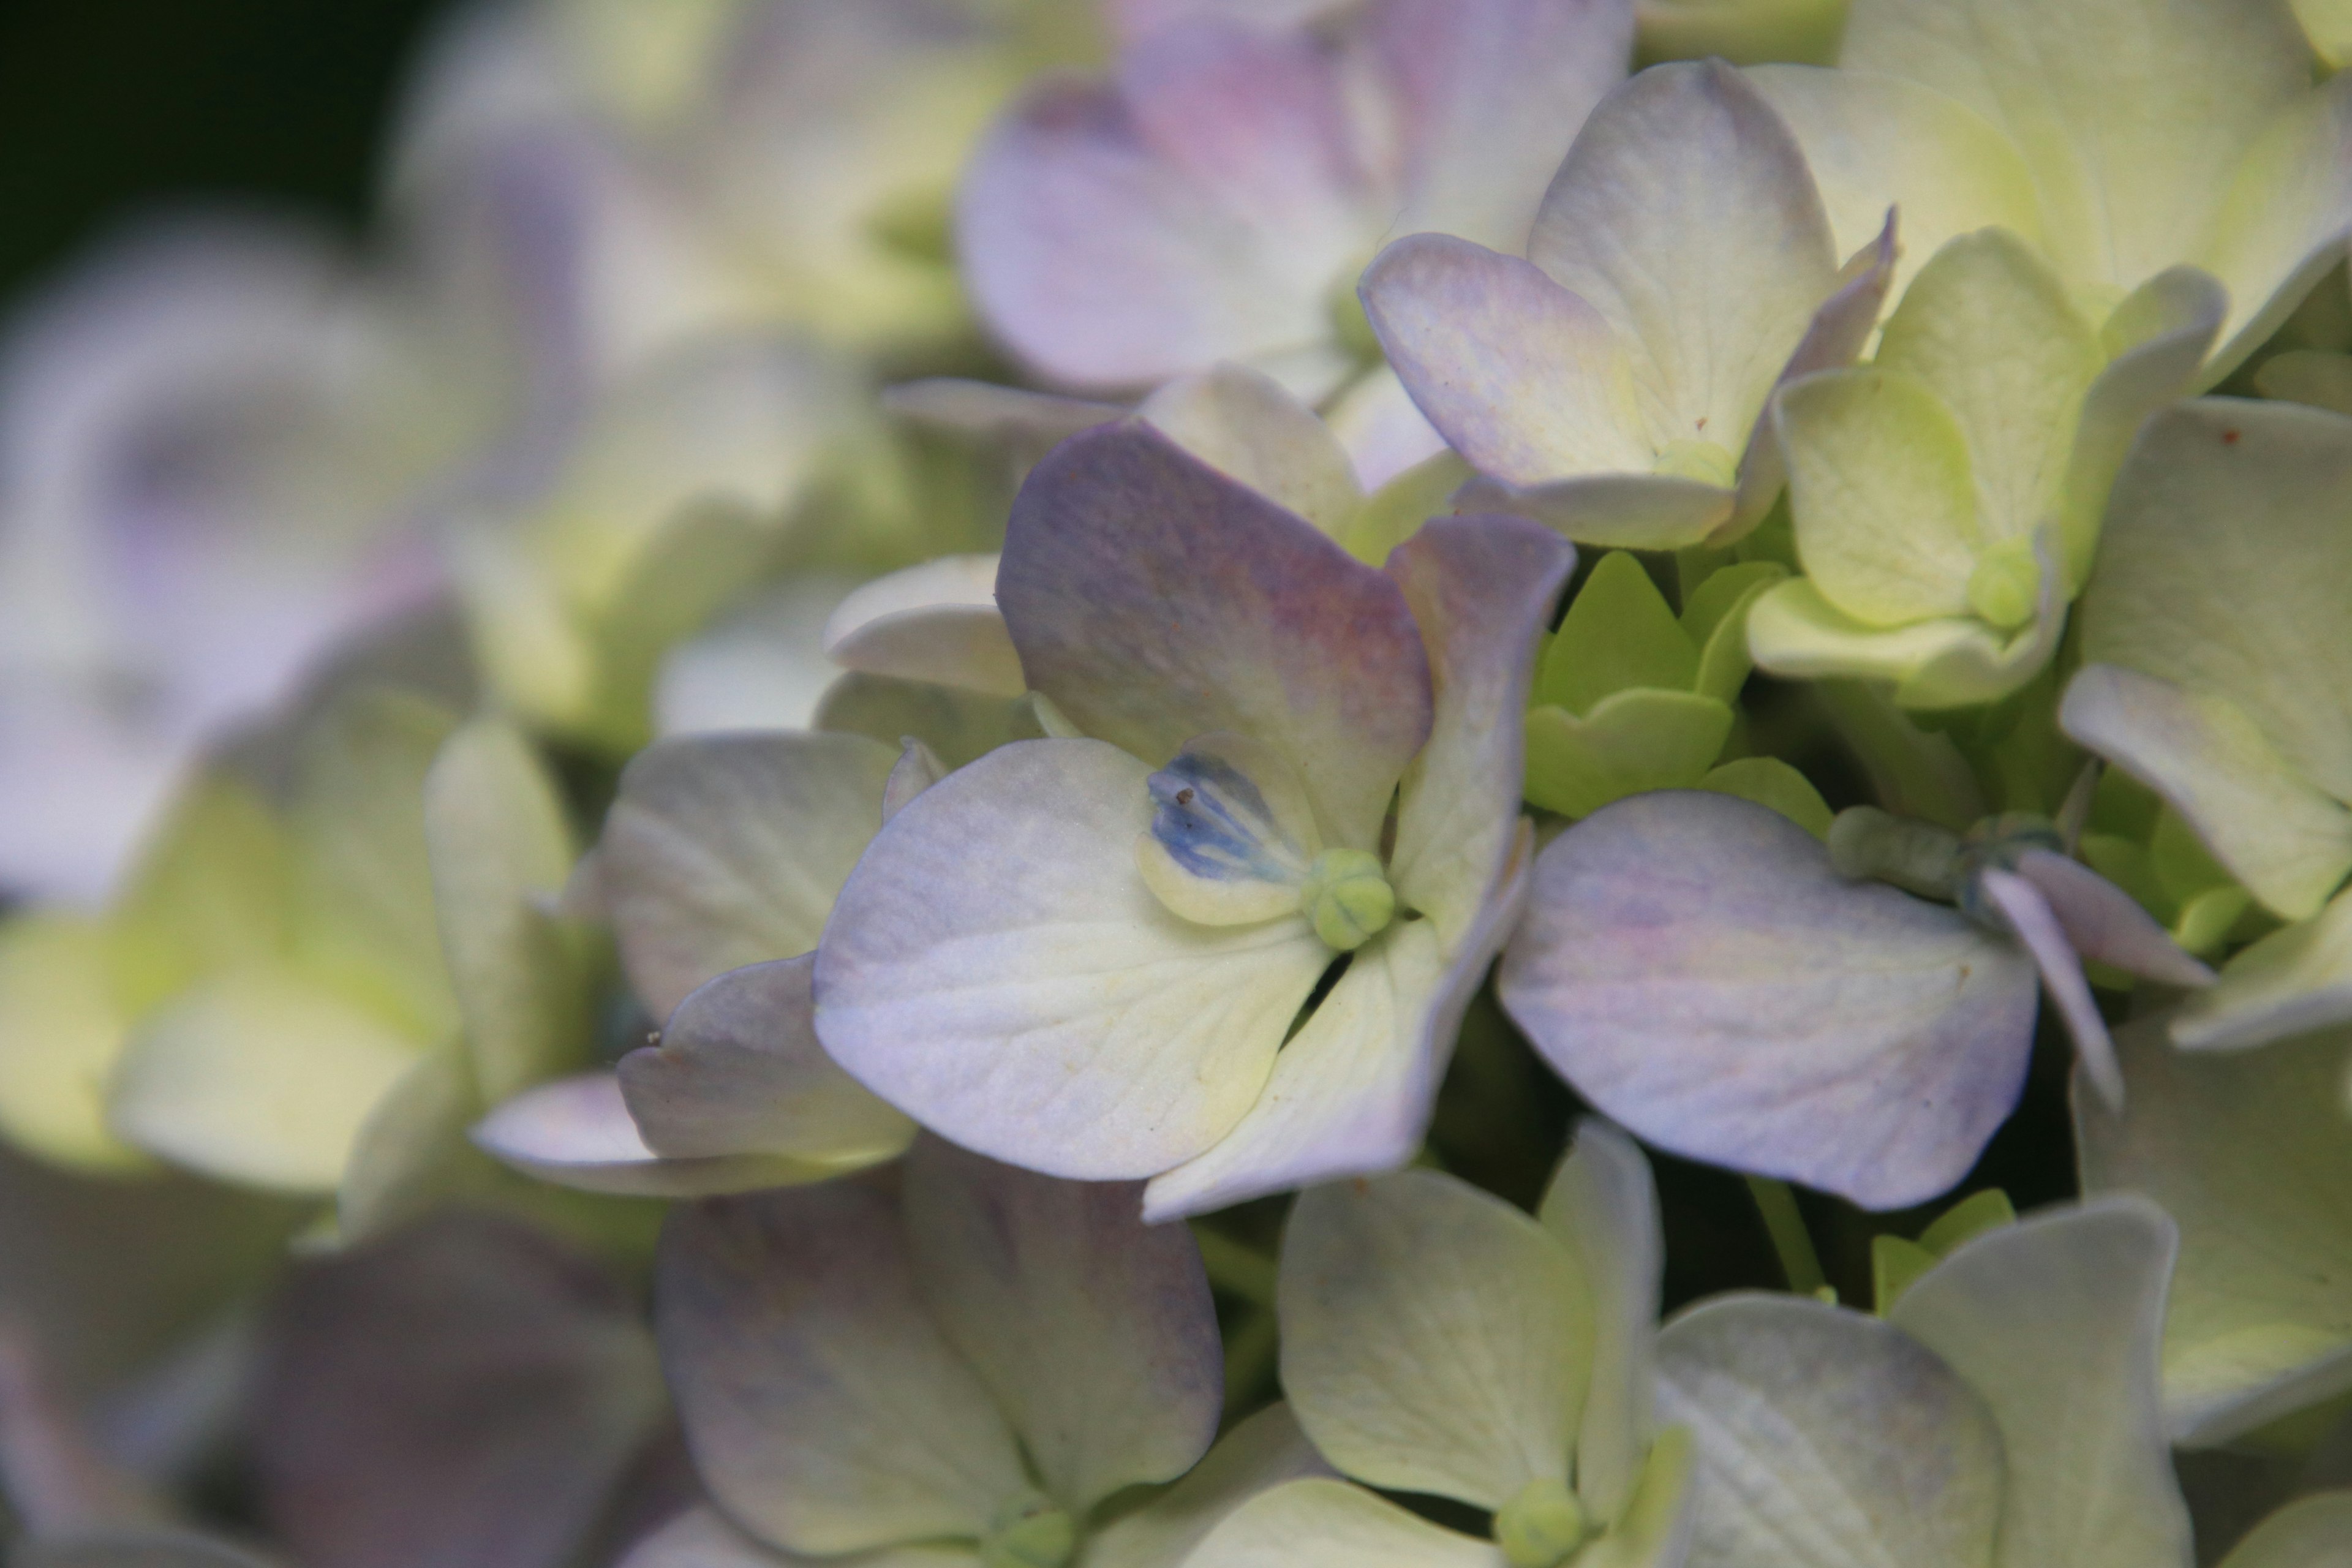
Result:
<point x="1791" y="1241"/>
<point x="1250" y="1352"/>
<point x="1238" y="1269"/>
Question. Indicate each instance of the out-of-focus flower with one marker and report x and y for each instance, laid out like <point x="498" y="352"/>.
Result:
<point x="213" y="445"/>
<point x="1681" y="267"/>
<point x="724" y="164"/>
<point x="2120" y="138"/>
<point x="1711" y="974"/>
<point x="472" y="1361"/>
<point x="2216" y="672"/>
<point x="1947" y="498"/>
<point x="2004" y="1411"/>
<point x="982" y="1365"/>
<point x="1216" y="198"/>
<point x="2251" y="1154"/>
<point x="1437" y="1340"/>
<point x="1062" y="956"/>
<point x="679" y="496"/>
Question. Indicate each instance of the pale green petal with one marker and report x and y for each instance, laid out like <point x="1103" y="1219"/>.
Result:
<point x="1883" y="493"/>
<point x="1639" y="740"/>
<point x="2054" y="1323"/>
<point x="959" y="725"/>
<point x="61" y="1031"/>
<point x="702" y="1538"/>
<point x="2309" y="1532"/>
<point x="2282" y="226"/>
<point x="1658" y="1526"/>
<point x="1742" y="31"/>
<point x="577" y="1133"/>
<point x="1260" y="1453"/>
<point x="1094" y="1331"/>
<point x="2227" y="506"/>
<point x="363" y="896"/>
<point x="725" y="850"/>
<point x="2328" y="25"/>
<point x="1990" y="331"/>
<point x="2319" y="377"/>
<point x="1828" y="1438"/>
<point x="1350" y="1093"/>
<point x="997" y="969"/>
<point x="259" y="1077"/>
<point x="411" y="1153"/>
<point x="1950" y="662"/>
<point x="214" y="890"/>
<point x="2252" y="1156"/>
<point x="1243" y="425"/>
<point x="2160" y="337"/>
<point x="2288" y="842"/>
<point x="935" y="622"/>
<point x="2130" y="116"/>
<point x="1330" y="1524"/>
<point x="1601" y="1203"/>
<point x="823" y="1408"/>
<point x="1686" y="215"/>
<point x="2290" y="980"/>
<point x="1617" y="633"/>
<point x="1877" y="141"/>
<point x="1434" y="1339"/>
<point x="501" y="852"/>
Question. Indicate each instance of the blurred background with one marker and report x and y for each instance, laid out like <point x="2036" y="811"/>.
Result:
<point x="109" y="107"/>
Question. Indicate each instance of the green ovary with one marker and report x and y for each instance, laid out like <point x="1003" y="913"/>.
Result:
<point x="1543" y="1526"/>
<point x="1030" y="1531"/>
<point x="1347" y="898"/>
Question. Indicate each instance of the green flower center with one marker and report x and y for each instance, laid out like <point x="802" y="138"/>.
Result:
<point x="1347" y="898"/>
<point x="1542" y="1527"/>
<point x="2006" y="585"/>
<point x="1029" y="1531"/>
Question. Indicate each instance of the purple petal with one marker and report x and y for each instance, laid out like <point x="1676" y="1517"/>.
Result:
<point x="1103" y="265"/>
<point x="1693" y="965"/>
<point x="2029" y="915"/>
<point x="2104" y="922"/>
<point x="471" y="1362"/>
<point x="1490" y="94"/>
<point x="1094" y="1331"/>
<point x="1155" y="600"/>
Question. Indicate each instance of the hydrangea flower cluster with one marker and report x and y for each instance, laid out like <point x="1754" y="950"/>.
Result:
<point x="1173" y="784"/>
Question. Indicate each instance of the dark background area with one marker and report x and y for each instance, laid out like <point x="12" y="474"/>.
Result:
<point x="110" y="108"/>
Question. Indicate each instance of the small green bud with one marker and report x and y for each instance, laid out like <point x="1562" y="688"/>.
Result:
<point x="1029" y="1531"/>
<point x="2006" y="585"/>
<point x="1347" y="898"/>
<point x="1543" y="1526"/>
<point x="1920" y="857"/>
<point x="1701" y="460"/>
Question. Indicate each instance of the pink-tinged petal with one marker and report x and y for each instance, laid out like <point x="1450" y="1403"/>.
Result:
<point x="1381" y="430"/>
<point x="1094" y="1331"/>
<point x="1489" y="94"/>
<point x="1482" y="590"/>
<point x="1526" y="380"/>
<point x="2028" y="914"/>
<point x="1138" y="20"/>
<point x="2105" y="923"/>
<point x="738" y="1070"/>
<point x="467" y="1394"/>
<point x="1102" y="266"/>
<point x="577" y="1133"/>
<point x="997" y="969"/>
<point x="1840" y="329"/>
<point x="1154" y="600"/>
<point x="1693" y="965"/>
<point x="824" y="1410"/>
<point x="1258" y="118"/>
<point x="935" y="622"/>
<point x="1685" y="216"/>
